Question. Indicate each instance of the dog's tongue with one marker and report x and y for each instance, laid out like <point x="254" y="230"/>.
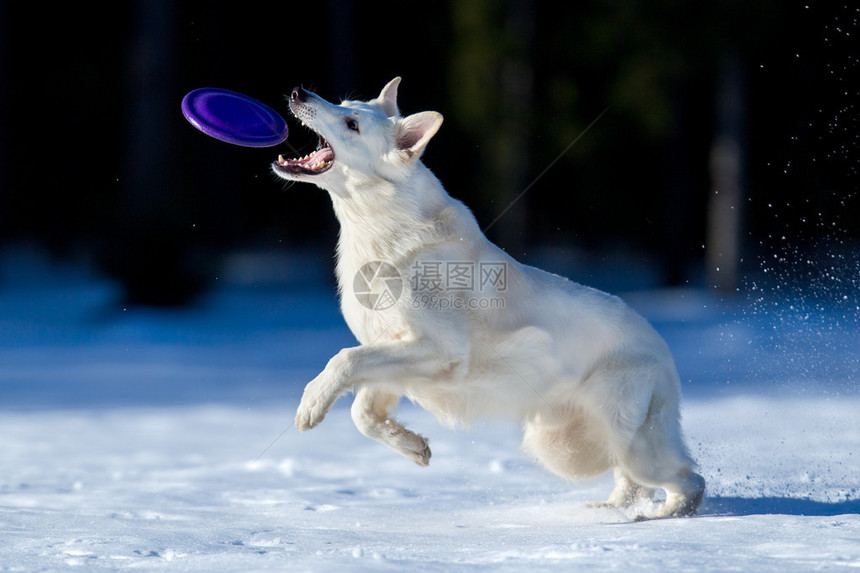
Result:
<point x="316" y="159"/>
<point x="320" y="155"/>
<point x="312" y="162"/>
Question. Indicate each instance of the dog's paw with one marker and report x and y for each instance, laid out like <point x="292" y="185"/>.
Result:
<point x="423" y="453"/>
<point x="686" y="502"/>
<point x="309" y="415"/>
<point x="416" y="448"/>
<point x="317" y="399"/>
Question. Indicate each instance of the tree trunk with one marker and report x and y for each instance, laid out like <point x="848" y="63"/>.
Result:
<point x="726" y="202"/>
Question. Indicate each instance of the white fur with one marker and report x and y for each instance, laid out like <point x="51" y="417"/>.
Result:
<point x="592" y="383"/>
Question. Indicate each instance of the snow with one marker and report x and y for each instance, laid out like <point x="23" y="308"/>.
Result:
<point x="162" y="440"/>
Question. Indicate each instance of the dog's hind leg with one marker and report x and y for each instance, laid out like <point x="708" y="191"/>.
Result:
<point x="656" y="457"/>
<point x="371" y="412"/>
<point x="668" y="470"/>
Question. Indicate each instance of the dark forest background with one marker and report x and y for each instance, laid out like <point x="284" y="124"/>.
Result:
<point x="727" y="125"/>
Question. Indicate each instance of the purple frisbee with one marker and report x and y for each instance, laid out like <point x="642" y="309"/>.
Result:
<point x="234" y="117"/>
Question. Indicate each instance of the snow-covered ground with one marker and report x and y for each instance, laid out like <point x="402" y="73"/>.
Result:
<point x="162" y="440"/>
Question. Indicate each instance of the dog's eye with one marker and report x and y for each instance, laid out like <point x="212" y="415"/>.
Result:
<point x="352" y="124"/>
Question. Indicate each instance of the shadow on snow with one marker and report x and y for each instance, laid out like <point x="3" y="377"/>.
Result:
<point x="744" y="506"/>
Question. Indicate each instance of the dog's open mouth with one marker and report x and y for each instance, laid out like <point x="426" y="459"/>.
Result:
<point x="314" y="163"/>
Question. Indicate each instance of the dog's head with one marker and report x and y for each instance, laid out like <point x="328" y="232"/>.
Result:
<point x="358" y="141"/>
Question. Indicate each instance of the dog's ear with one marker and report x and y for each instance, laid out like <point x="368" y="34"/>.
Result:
<point x="412" y="133"/>
<point x="388" y="98"/>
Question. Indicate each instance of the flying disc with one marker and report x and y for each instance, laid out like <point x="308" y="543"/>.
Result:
<point x="234" y="118"/>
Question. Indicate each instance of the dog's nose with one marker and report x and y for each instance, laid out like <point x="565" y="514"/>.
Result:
<point x="298" y="94"/>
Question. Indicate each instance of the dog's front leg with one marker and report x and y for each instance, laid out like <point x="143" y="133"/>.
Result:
<point x="385" y="364"/>
<point x="323" y="391"/>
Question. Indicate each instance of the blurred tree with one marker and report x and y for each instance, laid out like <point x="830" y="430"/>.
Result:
<point x="654" y="64"/>
<point x="630" y="55"/>
<point x="727" y="202"/>
<point x="491" y="89"/>
<point x="152" y="252"/>
<point x="645" y="61"/>
<point x="343" y="44"/>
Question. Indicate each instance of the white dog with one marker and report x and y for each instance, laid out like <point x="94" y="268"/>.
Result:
<point x="473" y="332"/>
